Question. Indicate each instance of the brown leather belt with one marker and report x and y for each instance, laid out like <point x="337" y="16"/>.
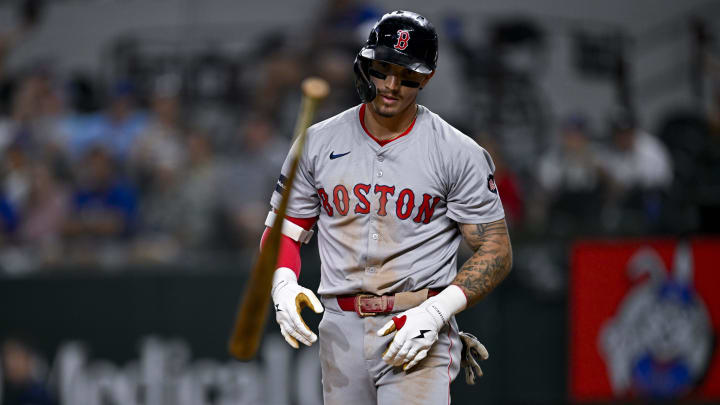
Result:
<point x="369" y="305"/>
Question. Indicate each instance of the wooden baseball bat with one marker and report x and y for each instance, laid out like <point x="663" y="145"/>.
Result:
<point x="252" y="313"/>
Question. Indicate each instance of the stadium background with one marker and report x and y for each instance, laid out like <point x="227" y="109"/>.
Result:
<point x="140" y="142"/>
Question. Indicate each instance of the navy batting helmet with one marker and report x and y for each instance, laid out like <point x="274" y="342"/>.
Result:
<point x="402" y="38"/>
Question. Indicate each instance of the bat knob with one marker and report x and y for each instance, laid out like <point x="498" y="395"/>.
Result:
<point x="315" y="88"/>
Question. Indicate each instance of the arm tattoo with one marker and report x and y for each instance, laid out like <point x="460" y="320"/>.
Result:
<point x="490" y="263"/>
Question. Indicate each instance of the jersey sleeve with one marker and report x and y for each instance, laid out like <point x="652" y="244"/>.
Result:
<point x="304" y="201"/>
<point x="473" y="197"/>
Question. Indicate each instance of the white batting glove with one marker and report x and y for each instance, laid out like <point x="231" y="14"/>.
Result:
<point x="417" y="328"/>
<point x="472" y="351"/>
<point x="289" y="298"/>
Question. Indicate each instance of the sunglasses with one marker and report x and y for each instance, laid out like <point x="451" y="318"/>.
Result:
<point x="383" y="76"/>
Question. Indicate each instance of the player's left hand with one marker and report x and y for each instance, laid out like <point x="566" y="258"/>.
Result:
<point x="417" y="330"/>
<point x="289" y="298"/>
<point x="472" y="351"/>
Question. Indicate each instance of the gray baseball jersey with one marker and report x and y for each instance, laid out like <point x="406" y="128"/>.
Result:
<point x="388" y="215"/>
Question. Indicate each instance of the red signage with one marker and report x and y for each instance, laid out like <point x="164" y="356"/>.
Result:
<point x="644" y="317"/>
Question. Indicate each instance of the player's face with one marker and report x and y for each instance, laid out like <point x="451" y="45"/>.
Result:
<point x="397" y="87"/>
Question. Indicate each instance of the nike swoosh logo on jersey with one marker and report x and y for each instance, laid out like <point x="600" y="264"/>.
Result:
<point x="334" y="156"/>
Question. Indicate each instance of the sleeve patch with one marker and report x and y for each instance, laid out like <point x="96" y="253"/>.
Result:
<point x="491" y="184"/>
<point x="280" y="185"/>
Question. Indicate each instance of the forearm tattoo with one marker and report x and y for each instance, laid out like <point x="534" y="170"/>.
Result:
<point x="490" y="263"/>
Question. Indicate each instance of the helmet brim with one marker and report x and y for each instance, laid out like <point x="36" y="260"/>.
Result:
<point x="389" y="55"/>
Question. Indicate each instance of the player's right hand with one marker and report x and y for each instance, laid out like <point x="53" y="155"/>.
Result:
<point x="418" y="327"/>
<point x="289" y="298"/>
<point x="416" y="331"/>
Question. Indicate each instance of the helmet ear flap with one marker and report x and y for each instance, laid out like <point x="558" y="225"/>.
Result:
<point x="364" y="86"/>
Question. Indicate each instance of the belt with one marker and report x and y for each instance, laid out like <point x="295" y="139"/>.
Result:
<point x="370" y="305"/>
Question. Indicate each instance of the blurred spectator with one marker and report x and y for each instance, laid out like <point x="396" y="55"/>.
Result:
<point x="38" y="118"/>
<point x="16" y="174"/>
<point x="8" y="219"/>
<point x="636" y="159"/>
<point x="163" y="219"/>
<point x="116" y="129"/>
<point x="254" y="170"/>
<point x="35" y="104"/>
<point x="182" y="209"/>
<point x="198" y="193"/>
<point x="20" y="369"/>
<point x="570" y="178"/>
<point x="640" y="170"/>
<point x="281" y="67"/>
<point x="44" y="213"/>
<point x="78" y="128"/>
<point x="158" y="162"/>
<point x="159" y="148"/>
<point x="104" y="205"/>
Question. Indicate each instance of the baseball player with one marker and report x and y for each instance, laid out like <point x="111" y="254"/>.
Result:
<point x="392" y="189"/>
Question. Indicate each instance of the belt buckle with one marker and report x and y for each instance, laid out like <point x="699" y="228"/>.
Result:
<point x="358" y="308"/>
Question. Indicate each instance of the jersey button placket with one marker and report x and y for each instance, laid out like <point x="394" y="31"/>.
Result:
<point x="371" y="267"/>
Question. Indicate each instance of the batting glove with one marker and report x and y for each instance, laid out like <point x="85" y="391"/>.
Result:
<point x="472" y="351"/>
<point x="417" y="328"/>
<point x="289" y="298"/>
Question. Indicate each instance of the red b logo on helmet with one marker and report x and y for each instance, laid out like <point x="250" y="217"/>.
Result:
<point x="403" y="38"/>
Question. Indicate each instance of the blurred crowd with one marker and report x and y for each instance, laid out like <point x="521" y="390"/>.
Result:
<point x="566" y="177"/>
<point x="129" y="169"/>
<point x="173" y="167"/>
<point x="128" y="182"/>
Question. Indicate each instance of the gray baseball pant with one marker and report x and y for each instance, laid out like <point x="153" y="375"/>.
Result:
<point x="353" y="372"/>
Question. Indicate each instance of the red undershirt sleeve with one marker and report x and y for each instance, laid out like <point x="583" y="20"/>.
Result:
<point x="289" y="250"/>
